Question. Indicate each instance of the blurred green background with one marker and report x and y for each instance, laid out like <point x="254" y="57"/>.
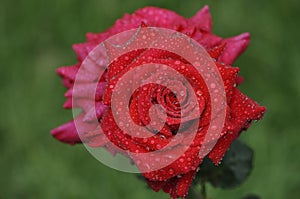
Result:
<point x="36" y="38"/>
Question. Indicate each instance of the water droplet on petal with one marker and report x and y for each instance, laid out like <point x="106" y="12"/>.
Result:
<point x="171" y="171"/>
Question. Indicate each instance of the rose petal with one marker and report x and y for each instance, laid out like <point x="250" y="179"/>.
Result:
<point x="202" y="19"/>
<point x="66" y="133"/>
<point x="243" y="111"/>
<point x="234" y="47"/>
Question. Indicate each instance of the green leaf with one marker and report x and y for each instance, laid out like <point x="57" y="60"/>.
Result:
<point x="251" y="196"/>
<point x="233" y="170"/>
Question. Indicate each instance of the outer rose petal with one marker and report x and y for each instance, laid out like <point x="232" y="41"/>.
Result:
<point x="202" y="19"/>
<point x="68" y="72"/>
<point x="160" y="17"/>
<point x="67" y="133"/>
<point x="83" y="49"/>
<point x="243" y="111"/>
<point x="177" y="186"/>
<point x="234" y="47"/>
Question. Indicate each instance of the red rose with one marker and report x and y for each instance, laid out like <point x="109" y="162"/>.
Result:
<point x="154" y="107"/>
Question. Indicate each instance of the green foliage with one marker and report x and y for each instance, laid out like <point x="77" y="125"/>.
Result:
<point x="233" y="170"/>
<point x="251" y="197"/>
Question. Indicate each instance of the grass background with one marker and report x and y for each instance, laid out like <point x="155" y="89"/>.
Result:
<point x="36" y="38"/>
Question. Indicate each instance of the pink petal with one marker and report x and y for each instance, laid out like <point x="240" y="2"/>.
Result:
<point x="235" y="46"/>
<point x="66" y="133"/>
<point x="68" y="72"/>
<point x="202" y="19"/>
<point x="83" y="49"/>
<point x="160" y="17"/>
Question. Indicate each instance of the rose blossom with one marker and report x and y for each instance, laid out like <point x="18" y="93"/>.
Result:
<point x="176" y="177"/>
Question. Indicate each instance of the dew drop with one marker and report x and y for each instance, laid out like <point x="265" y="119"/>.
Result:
<point x="213" y="85"/>
<point x="145" y="140"/>
<point x="171" y="171"/>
